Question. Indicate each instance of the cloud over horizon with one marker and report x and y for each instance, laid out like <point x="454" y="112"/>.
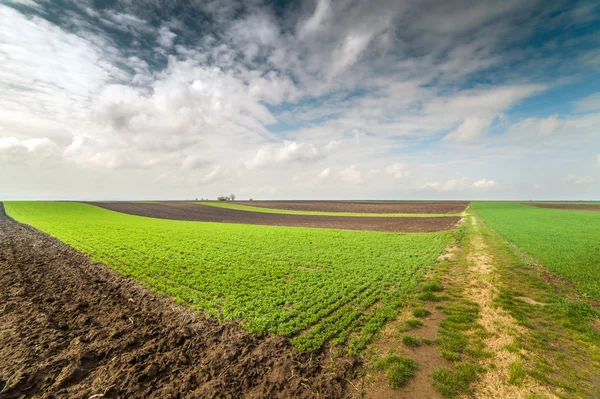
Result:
<point x="311" y="99"/>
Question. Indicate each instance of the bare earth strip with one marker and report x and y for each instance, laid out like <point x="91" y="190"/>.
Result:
<point x="73" y="328"/>
<point x="574" y="207"/>
<point x="197" y="212"/>
<point x="364" y="207"/>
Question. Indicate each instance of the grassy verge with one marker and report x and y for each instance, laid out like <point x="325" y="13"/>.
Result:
<point x="560" y="347"/>
<point x="248" y="208"/>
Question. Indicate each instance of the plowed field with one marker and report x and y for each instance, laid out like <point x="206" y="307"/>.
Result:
<point x="197" y="212"/>
<point x="365" y="207"/>
<point x="73" y="328"/>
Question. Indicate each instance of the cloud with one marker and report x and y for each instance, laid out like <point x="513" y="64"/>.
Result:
<point x="574" y="179"/>
<point x="450" y="185"/>
<point x="484" y="184"/>
<point x="432" y="185"/>
<point x="591" y="59"/>
<point x="253" y="94"/>
<point x="471" y="129"/>
<point x="589" y="103"/>
<point x="536" y="127"/>
<point x="314" y="23"/>
<point x="166" y="37"/>
<point x="286" y="152"/>
<point x="351" y="175"/>
<point x="38" y="150"/>
<point x="28" y="3"/>
<point x="398" y="170"/>
<point x="598" y="160"/>
<point x="325" y="173"/>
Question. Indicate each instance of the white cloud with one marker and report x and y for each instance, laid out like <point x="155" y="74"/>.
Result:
<point x="213" y="174"/>
<point x="14" y="151"/>
<point x="252" y="96"/>
<point x="574" y="179"/>
<point x="598" y="159"/>
<point x="351" y="175"/>
<point x="314" y="23"/>
<point x="28" y="3"/>
<point x="166" y="37"/>
<point x="589" y="103"/>
<point x="398" y="170"/>
<point x="591" y="58"/>
<point x="324" y="173"/>
<point x="286" y="152"/>
<point x="536" y="127"/>
<point x="450" y="185"/>
<point x="432" y="185"/>
<point x="471" y="129"/>
<point x="484" y="184"/>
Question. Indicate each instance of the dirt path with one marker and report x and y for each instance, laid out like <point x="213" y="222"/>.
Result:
<point x="500" y="326"/>
<point x="471" y="276"/>
<point x="73" y="328"/>
<point x="205" y="213"/>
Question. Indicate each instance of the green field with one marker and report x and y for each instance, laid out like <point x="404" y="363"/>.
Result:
<point x="314" y="285"/>
<point x="566" y="242"/>
<point x="249" y="208"/>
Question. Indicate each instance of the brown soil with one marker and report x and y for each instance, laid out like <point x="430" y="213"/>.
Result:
<point x="575" y="207"/>
<point x="73" y="328"/>
<point x="364" y="207"/>
<point x="427" y="356"/>
<point x="205" y="213"/>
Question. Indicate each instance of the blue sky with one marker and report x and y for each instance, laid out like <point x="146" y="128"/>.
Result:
<point x="314" y="99"/>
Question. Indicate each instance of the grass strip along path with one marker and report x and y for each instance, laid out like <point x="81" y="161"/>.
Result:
<point x="247" y="208"/>
<point x="313" y="285"/>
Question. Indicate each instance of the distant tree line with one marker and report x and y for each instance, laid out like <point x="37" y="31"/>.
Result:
<point x="226" y="198"/>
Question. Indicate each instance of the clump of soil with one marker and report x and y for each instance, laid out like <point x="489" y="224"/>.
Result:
<point x="73" y="328"/>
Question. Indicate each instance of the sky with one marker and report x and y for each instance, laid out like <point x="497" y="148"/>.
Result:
<point x="315" y="99"/>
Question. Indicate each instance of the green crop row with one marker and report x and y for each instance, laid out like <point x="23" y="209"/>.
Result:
<point x="248" y="208"/>
<point x="313" y="285"/>
<point x="567" y="242"/>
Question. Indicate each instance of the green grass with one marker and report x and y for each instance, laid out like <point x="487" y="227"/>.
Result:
<point x="413" y="323"/>
<point x="566" y="242"/>
<point x="399" y="369"/>
<point x="516" y="373"/>
<point x="248" y="208"/>
<point x="452" y="382"/>
<point x="313" y="285"/>
<point x="421" y="312"/>
<point x="410" y="341"/>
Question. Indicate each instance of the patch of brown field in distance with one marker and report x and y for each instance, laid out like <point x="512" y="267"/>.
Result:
<point x="205" y="213"/>
<point x="573" y="207"/>
<point x="364" y="207"/>
<point x="73" y="328"/>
